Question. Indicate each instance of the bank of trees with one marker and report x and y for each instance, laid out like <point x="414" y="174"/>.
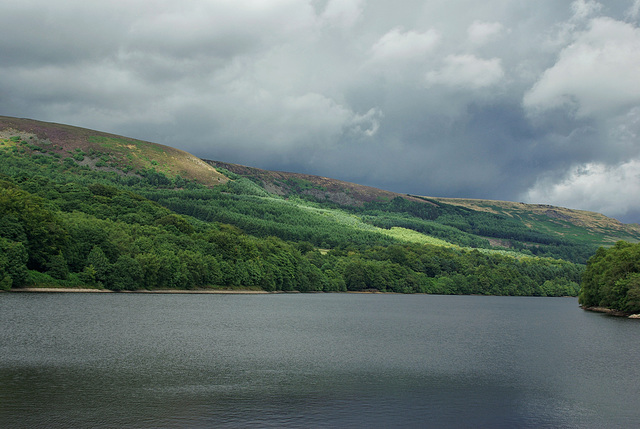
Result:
<point x="466" y="227"/>
<point x="612" y="279"/>
<point x="65" y="225"/>
<point x="101" y="236"/>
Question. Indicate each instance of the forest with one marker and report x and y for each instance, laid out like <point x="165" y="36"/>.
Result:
<point x="66" y="225"/>
<point x="612" y="279"/>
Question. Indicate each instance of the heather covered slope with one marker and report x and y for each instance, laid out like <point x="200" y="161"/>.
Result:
<point x="321" y="189"/>
<point x="127" y="157"/>
<point x="107" y="152"/>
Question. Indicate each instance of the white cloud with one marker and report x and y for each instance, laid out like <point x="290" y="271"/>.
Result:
<point x="367" y="124"/>
<point x="399" y="45"/>
<point x="466" y="71"/>
<point x="596" y="74"/>
<point x="593" y="186"/>
<point x="342" y="13"/>
<point x="285" y="122"/>
<point x="480" y="32"/>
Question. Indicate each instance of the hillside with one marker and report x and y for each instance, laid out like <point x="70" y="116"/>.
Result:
<point x="320" y="189"/>
<point x="125" y="156"/>
<point x="579" y="225"/>
<point x="572" y="225"/>
<point x="85" y="208"/>
<point x="106" y="152"/>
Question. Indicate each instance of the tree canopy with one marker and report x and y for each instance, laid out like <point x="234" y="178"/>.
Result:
<point x="65" y="224"/>
<point x="612" y="278"/>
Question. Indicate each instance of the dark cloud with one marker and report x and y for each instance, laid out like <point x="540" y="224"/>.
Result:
<point x="506" y="100"/>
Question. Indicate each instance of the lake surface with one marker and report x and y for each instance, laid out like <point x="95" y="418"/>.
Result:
<point x="314" y="360"/>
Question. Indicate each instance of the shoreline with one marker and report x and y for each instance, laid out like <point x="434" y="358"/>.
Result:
<point x="157" y="291"/>
<point x="611" y="312"/>
<point x="260" y="292"/>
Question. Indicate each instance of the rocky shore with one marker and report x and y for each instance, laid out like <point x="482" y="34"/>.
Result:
<point x="612" y="312"/>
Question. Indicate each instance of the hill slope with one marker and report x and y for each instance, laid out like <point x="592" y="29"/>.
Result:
<point x="321" y="189"/>
<point x="571" y="225"/>
<point x="81" y="207"/>
<point x="106" y="152"/>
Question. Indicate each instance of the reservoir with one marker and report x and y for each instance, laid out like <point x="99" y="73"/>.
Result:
<point x="313" y="360"/>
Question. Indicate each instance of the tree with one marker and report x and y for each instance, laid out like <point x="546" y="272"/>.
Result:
<point x="13" y="264"/>
<point x="612" y="278"/>
<point x="125" y="275"/>
<point x="57" y="267"/>
<point x="45" y="235"/>
<point x="99" y="264"/>
<point x="633" y="293"/>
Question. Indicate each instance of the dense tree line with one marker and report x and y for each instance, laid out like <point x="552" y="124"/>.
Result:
<point x="265" y="217"/>
<point x="102" y="236"/>
<point x="612" y="278"/>
<point x="66" y="225"/>
<point x="464" y="226"/>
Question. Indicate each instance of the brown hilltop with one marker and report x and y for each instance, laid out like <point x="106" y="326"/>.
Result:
<point x="322" y="188"/>
<point x="119" y="154"/>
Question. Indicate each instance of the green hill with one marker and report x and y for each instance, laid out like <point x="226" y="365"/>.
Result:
<point x="578" y="225"/>
<point x="575" y="226"/>
<point x="85" y="208"/>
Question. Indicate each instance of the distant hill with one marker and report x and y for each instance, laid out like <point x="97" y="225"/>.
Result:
<point x="83" y="207"/>
<point x="579" y="225"/>
<point x="322" y="189"/>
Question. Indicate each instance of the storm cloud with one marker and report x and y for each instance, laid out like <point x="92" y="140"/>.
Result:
<point x="533" y="101"/>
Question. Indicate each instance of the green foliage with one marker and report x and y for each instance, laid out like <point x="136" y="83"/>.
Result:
<point x="291" y="220"/>
<point x="126" y="274"/>
<point x="469" y="228"/>
<point x="102" y="190"/>
<point x="97" y="266"/>
<point x="30" y="222"/>
<point x="13" y="264"/>
<point x="57" y="267"/>
<point x="177" y="222"/>
<point x="612" y="278"/>
<point x="243" y="186"/>
<point x="65" y="225"/>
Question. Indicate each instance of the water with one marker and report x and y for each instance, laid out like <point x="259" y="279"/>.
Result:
<point x="317" y="360"/>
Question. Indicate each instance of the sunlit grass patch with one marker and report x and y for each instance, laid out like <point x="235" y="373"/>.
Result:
<point x="412" y="236"/>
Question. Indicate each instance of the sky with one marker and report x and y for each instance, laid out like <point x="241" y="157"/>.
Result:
<point x="535" y="101"/>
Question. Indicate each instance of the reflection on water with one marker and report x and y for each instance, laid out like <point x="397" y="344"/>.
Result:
<point x="321" y="360"/>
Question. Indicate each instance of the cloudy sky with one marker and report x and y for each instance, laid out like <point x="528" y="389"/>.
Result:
<point x="522" y="100"/>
